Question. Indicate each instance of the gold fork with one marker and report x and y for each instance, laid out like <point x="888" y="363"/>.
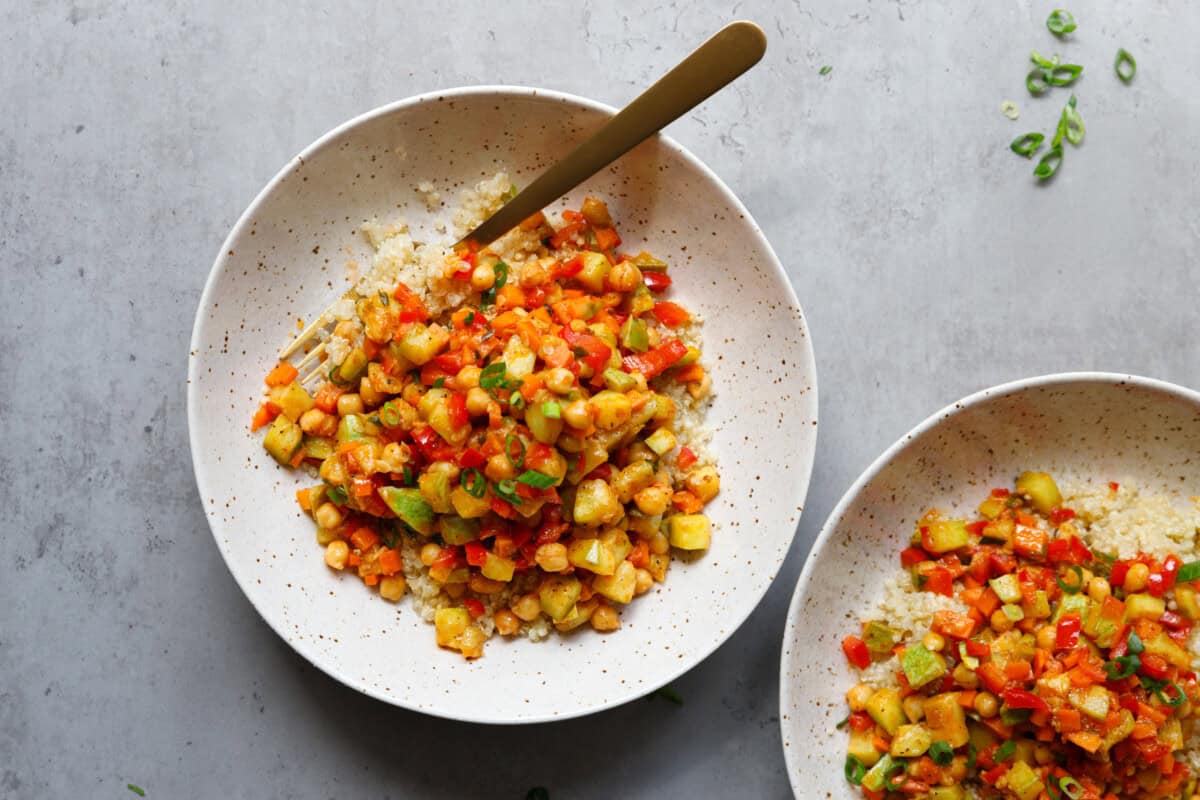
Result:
<point x="730" y="52"/>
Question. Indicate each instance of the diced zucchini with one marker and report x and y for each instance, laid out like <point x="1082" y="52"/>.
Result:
<point x="410" y="507"/>
<point x="434" y="485"/>
<point x="944" y="535"/>
<point x="434" y="408"/>
<point x="558" y="595"/>
<point x="640" y="301"/>
<point x="1171" y="734"/>
<point x="450" y="623"/>
<point x="593" y="454"/>
<point x="294" y="401"/>
<point x="690" y="357"/>
<point x="876" y="775"/>
<point x="355" y="426"/>
<point x="1071" y="604"/>
<point x="1041" y="490"/>
<point x="910" y="741"/>
<point x="1143" y="606"/>
<point x="1013" y="612"/>
<point x="862" y="747"/>
<point x="592" y="555"/>
<point x="955" y="792"/>
<point x="619" y="586"/>
<point x="689" y="531"/>
<point x="596" y="503"/>
<point x="1165" y="647"/>
<point x="1022" y="781"/>
<point x="456" y="530"/>
<point x="879" y="638"/>
<point x="946" y="719"/>
<point x="885" y="708"/>
<point x="596" y="267"/>
<point x="1038" y="607"/>
<point x="421" y="343"/>
<point x="921" y="665"/>
<point x="617" y="541"/>
<point x="662" y="441"/>
<point x="353" y="367"/>
<point x="981" y="736"/>
<point x="1007" y="588"/>
<point x="618" y="380"/>
<point x="283" y="439"/>
<point x="1000" y="530"/>
<point x="1102" y="630"/>
<point x="1188" y="601"/>
<point x="318" y="447"/>
<point x="992" y="508"/>
<point x="498" y="568"/>
<point x="1092" y="701"/>
<point x="658" y="564"/>
<point x="634" y="336"/>
<point x="578" y="615"/>
<point x="545" y="429"/>
<point x="645" y="261"/>
<point x="1121" y="731"/>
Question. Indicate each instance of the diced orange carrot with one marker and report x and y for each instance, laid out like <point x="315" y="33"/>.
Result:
<point x="1069" y="721"/>
<point x="389" y="561"/>
<point x="327" y="397"/>
<point x="692" y="373"/>
<point x="304" y="498"/>
<point x="371" y="580"/>
<point x="283" y="374"/>
<point x="371" y="348"/>
<point x="880" y="743"/>
<point x="265" y="415"/>
<point x="1018" y="670"/>
<point x="607" y="238"/>
<point x="508" y="319"/>
<point x="530" y="386"/>
<point x="364" y="538"/>
<point x="1087" y="740"/>
<point x="966" y="698"/>
<point x="686" y="502"/>
<point x="353" y="560"/>
<point x="510" y="296"/>
<point x="297" y="459"/>
<point x="529" y="334"/>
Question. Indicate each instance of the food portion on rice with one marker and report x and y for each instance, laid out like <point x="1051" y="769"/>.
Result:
<point x="1045" y="649"/>
<point x="511" y="435"/>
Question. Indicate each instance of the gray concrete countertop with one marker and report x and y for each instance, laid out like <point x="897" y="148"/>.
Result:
<point x="928" y="261"/>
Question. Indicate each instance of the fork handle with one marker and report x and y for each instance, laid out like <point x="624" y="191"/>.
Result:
<point x="730" y="52"/>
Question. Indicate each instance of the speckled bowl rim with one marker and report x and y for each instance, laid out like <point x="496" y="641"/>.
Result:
<point x="803" y="473"/>
<point x="786" y="662"/>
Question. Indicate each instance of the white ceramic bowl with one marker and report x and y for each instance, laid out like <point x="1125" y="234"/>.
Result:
<point x="286" y="259"/>
<point x="1082" y="426"/>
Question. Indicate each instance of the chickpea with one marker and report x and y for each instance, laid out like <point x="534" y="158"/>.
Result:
<point x="965" y="677"/>
<point x="392" y="587"/>
<point x="914" y="707"/>
<point x="527" y="607"/>
<point x="467" y="377"/>
<point x="470" y="642"/>
<point x="506" y="622"/>
<point x="1042" y="754"/>
<point x="336" y="553"/>
<point x="477" y="401"/>
<point x="1099" y="588"/>
<point x="1047" y="636"/>
<point x="552" y="557"/>
<point x="1000" y="621"/>
<point x="333" y="470"/>
<point x="987" y="705"/>
<point x="858" y="695"/>
<point x="349" y="403"/>
<point x="1137" y="577"/>
<point x="624" y="277"/>
<point x="653" y="500"/>
<point x="481" y="585"/>
<point x="455" y="590"/>
<point x="605" y="618"/>
<point x="499" y="467"/>
<point x="659" y="544"/>
<point x="483" y="277"/>
<point x="958" y="768"/>
<point x="328" y="516"/>
<point x="312" y="421"/>
<point x="559" y="380"/>
<point x="370" y="397"/>
<point x="429" y="553"/>
<point x="934" y="641"/>
<point x="645" y="581"/>
<point x="578" y="414"/>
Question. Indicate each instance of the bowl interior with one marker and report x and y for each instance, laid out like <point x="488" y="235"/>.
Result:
<point x="287" y="259"/>
<point x="1079" y="428"/>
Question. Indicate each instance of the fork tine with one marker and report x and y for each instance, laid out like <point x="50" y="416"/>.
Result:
<point x="315" y="372"/>
<point x="314" y="353"/>
<point x="305" y="334"/>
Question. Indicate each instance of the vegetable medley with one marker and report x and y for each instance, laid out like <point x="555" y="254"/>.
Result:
<point x="1070" y="675"/>
<point x="524" y="448"/>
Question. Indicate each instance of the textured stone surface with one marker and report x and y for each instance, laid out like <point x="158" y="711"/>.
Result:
<point x="928" y="262"/>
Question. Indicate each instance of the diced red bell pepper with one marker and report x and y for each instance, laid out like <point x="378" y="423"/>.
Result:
<point x="656" y="281"/>
<point x="1080" y="554"/>
<point x="1019" y="698"/>
<point x="571" y="268"/>
<point x="940" y="581"/>
<point x="685" y="458"/>
<point x="1119" y="570"/>
<point x="1170" y="569"/>
<point x="1060" y="515"/>
<point x="953" y="624"/>
<point x="431" y="446"/>
<point x="552" y="527"/>
<point x="653" y="362"/>
<point x="476" y="554"/>
<point x="1156" y="584"/>
<point x="412" y="309"/>
<point x="607" y="237"/>
<point x="976" y="528"/>
<point x="1001" y="493"/>
<point x="861" y="721"/>
<point x="456" y="410"/>
<point x="474" y="607"/>
<point x="595" y="350"/>
<point x="503" y="508"/>
<point x="856" y="652"/>
<point x="566" y="233"/>
<point x="1067" y="635"/>
<point x="1154" y="666"/>
<point x="1058" y="550"/>
<point x="978" y="649"/>
<point x="911" y="556"/>
<point x="670" y="314"/>
<point x="1001" y="563"/>
<point x="446" y="558"/>
<point x="471" y="458"/>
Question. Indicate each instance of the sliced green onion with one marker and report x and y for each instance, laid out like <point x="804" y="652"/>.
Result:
<point x="1134" y="643"/>
<point x="409" y="480"/>
<point x="133" y="787"/>
<point x="1125" y="66"/>
<point x="1071" y="123"/>
<point x="1168" y="700"/>
<point x="337" y="495"/>
<point x="1036" y="82"/>
<point x="551" y="409"/>
<point x="501" y="275"/>
<point x="539" y="480"/>
<point x="1009" y="109"/>
<point x="972" y="755"/>
<point x="1027" y="145"/>
<point x="494" y="376"/>
<point x="389" y="415"/>
<point x="383" y="298"/>
<point x="1049" y="164"/>
<point x="941" y="753"/>
<point x="519" y="461"/>
<point x="1052" y="788"/>
<point x="825" y="70"/>
<point x="439" y="383"/>
<point x="469" y="319"/>
<point x="896" y="767"/>
<point x="1042" y="61"/>
<point x="845" y="720"/>
<point x="517" y="401"/>
<point x="1063" y="74"/>
<point x="855" y="771"/>
<point x="1072" y="588"/>
<point x="1188" y="572"/>
<point x="669" y="693"/>
<point x="1070" y="787"/>
<point x="473" y="483"/>
<point x="507" y="490"/>
<point x="1015" y="716"/>
<point x="1005" y="751"/>
<point x="1060" y="22"/>
<point x="1122" y="667"/>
